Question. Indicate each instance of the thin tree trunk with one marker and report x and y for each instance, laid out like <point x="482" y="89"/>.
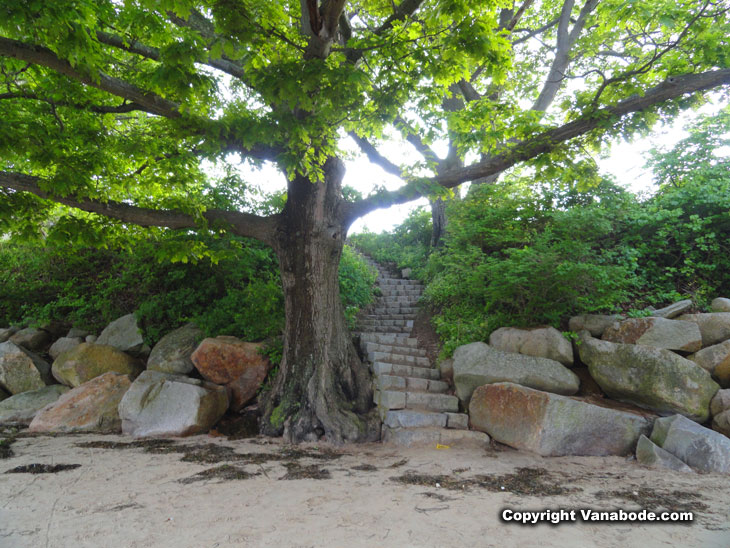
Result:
<point x="438" y="221"/>
<point x="323" y="388"/>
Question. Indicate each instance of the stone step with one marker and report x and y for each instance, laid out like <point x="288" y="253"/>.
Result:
<point x="385" y="329"/>
<point x="392" y="339"/>
<point x="368" y="347"/>
<point x="390" y="300"/>
<point x="410" y="418"/>
<point x="395" y="310"/>
<point x="393" y="323"/>
<point x="407" y="284"/>
<point x="433" y="436"/>
<point x="389" y="317"/>
<point x="410" y="384"/>
<point x="400" y="292"/>
<point x="399" y="399"/>
<point x="405" y="359"/>
<point x="381" y="368"/>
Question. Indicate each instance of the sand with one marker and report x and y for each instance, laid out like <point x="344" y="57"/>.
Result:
<point x="131" y="498"/>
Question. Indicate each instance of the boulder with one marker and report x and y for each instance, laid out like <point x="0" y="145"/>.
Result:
<point x="651" y="455"/>
<point x="172" y="353"/>
<point x="123" y="334"/>
<point x="722" y="373"/>
<point x="673" y="310"/>
<point x="720" y="304"/>
<point x="699" y="447"/>
<point x="90" y="338"/>
<point x="87" y="361"/>
<point x="721" y="423"/>
<point x="7" y="332"/>
<point x="712" y="357"/>
<point x="720" y="402"/>
<point x="91" y="407"/>
<point x="234" y="363"/>
<point x="541" y="342"/>
<point x="163" y="404"/>
<point x="714" y="326"/>
<point x="596" y="324"/>
<point x="553" y="425"/>
<point x="653" y="378"/>
<point x="21" y="370"/>
<point x="63" y="344"/>
<point x="76" y="332"/>
<point x="477" y="363"/>
<point x="656" y="332"/>
<point x="447" y="369"/>
<point x="21" y="408"/>
<point x="31" y="338"/>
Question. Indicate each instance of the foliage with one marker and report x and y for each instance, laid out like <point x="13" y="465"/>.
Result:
<point x="85" y="287"/>
<point x="407" y="246"/>
<point x="357" y="281"/>
<point x="510" y="260"/>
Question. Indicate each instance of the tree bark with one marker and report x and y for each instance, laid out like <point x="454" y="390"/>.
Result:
<point x="323" y="388"/>
<point x="438" y="221"/>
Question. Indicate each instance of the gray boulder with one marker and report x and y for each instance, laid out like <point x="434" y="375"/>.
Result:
<point x="721" y="423"/>
<point x="653" y="378"/>
<point x="31" y="338"/>
<point x="172" y="353"/>
<point x="540" y="342"/>
<point x="651" y="455"/>
<point x="477" y="364"/>
<point x="720" y="402"/>
<point x="596" y="324"/>
<point x="553" y="425"/>
<point x="63" y="344"/>
<point x="714" y="326"/>
<point x="163" y="404"/>
<point x="699" y="447"/>
<point x="21" y="370"/>
<point x="77" y="332"/>
<point x="720" y="304"/>
<point x="716" y="360"/>
<point x="673" y="310"/>
<point x="91" y="338"/>
<point x="123" y="334"/>
<point x="21" y="408"/>
<point x="7" y="332"/>
<point x="656" y="332"/>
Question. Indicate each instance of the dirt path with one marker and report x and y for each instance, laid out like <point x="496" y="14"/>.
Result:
<point x="144" y="495"/>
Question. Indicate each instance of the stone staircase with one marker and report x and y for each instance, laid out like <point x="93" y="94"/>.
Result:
<point x="413" y="401"/>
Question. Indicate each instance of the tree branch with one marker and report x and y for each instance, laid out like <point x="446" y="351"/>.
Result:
<point x="99" y="109"/>
<point x="415" y="140"/>
<point x="243" y="224"/>
<point x="544" y="142"/>
<point x="374" y="156"/>
<point x="148" y="52"/>
<point x="150" y="102"/>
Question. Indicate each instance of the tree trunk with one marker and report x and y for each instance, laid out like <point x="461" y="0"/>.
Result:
<point x="438" y="221"/>
<point x="323" y="388"/>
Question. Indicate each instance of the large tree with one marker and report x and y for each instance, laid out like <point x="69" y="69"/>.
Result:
<point x="109" y="106"/>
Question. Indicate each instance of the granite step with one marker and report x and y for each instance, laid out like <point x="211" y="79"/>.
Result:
<point x="404" y="359"/>
<point x="383" y="368"/>
<point x="411" y="384"/>
<point x="408" y="437"/>
<point x="392" y="339"/>
<point x="429" y="401"/>
<point x="368" y="347"/>
<point x="410" y="418"/>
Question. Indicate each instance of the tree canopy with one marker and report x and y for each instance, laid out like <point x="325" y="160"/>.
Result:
<point x="109" y="107"/>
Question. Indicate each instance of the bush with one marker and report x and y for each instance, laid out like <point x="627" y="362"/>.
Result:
<point x="239" y="294"/>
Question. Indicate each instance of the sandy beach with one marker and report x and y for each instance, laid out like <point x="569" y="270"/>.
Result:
<point x="150" y="494"/>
